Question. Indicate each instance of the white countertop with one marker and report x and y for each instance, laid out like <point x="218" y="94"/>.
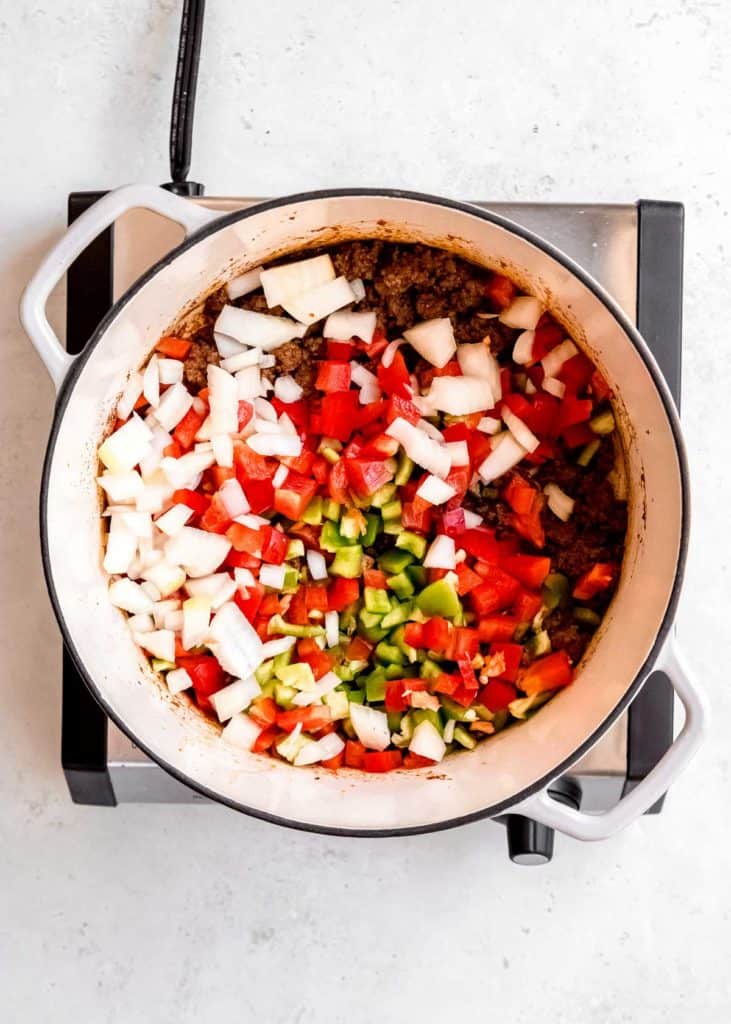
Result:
<point x="170" y="913"/>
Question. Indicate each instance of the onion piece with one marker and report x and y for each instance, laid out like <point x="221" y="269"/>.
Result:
<point x="140" y="623"/>
<point x="223" y="400"/>
<point x="275" y="444"/>
<point x="389" y="352"/>
<point x="126" y="447"/>
<point x="234" y="641"/>
<point x="244" y="284"/>
<point x="132" y="391"/>
<point x="361" y="377"/>
<point x="441" y="553"/>
<point x="160" y="643"/>
<point x="196" y="620"/>
<point x="174" y="404"/>
<point x="431" y="431"/>
<point x="368" y="394"/>
<point x="151" y="383"/>
<point x="241" y="731"/>
<point x="346" y="325"/>
<point x="554" y="386"/>
<point x="183" y="473"/>
<point x="260" y="330"/>
<point x="200" y="553"/>
<point x="489" y="425"/>
<point x="178" y="680"/>
<point x="170" y="371"/>
<point x="472" y="519"/>
<point x="520" y="431"/>
<point x="282" y="283"/>
<point x="316" y="564"/>
<point x="423" y="450"/>
<point x="371" y="726"/>
<point x="139" y="522"/>
<point x="279" y="646"/>
<point x="507" y="454"/>
<point x="559" y="502"/>
<point x="318" y="303"/>
<point x="249" y="357"/>
<point x="272" y="576"/>
<point x="459" y="453"/>
<point x="478" y="361"/>
<point x="207" y="586"/>
<point x="460" y="396"/>
<point x="523" y="348"/>
<point x="173" y="620"/>
<point x="130" y="597"/>
<point x="121" y="487"/>
<point x="173" y="521"/>
<point x="223" y="450"/>
<point x="121" y="547"/>
<point x="554" y="360"/>
<point x="524" y="312"/>
<point x="248" y="383"/>
<point x="427" y="742"/>
<point x="165" y="576"/>
<point x="433" y="340"/>
<point x="287" y="390"/>
<point x="358" y="289"/>
<point x="227" y="347"/>
<point x="435" y="491"/>
<point x="530" y="388"/>
<point x="332" y="628"/>
<point x="314" y="695"/>
<point x="235" y="697"/>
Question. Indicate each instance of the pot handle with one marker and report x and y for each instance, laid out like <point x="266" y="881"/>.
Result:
<point x="542" y="808"/>
<point x="84" y="230"/>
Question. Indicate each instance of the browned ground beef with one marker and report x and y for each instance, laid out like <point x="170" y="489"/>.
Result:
<point x="408" y="283"/>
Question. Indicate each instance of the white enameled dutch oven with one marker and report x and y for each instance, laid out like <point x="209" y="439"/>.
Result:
<point x="513" y="769"/>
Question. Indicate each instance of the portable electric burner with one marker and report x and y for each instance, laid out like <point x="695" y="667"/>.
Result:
<point x="635" y="251"/>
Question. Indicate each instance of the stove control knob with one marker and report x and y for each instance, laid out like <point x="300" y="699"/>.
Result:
<point x="531" y="843"/>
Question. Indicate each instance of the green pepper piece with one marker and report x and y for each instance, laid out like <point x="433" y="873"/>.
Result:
<point x="539" y="644"/>
<point x="295" y="549"/>
<point x="401" y="585"/>
<point x="464" y="738"/>
<point x="278" y="625"/>
<point x="291" y="580"/>
<point x="420" y="715"/>
<point x="331" y="539"/>
<point x="338" y="704"/>
<point x="344" y="672"/>
<point x="399" y="613"/>
<point x="430" y="669"/>
<point x="412" y="542"/>
<point x="454" y="710"/>
<point x="375" y="687"/>
<point x="264" y="672"/>
<point x="404" y="470"/>
<point x="519" y="708"/>
<point x="331" y="510"/>
<point x="501" y="719"/>
<point x="417" y="575"/>
<point x="313" y="513"/>
<point x="388" y="654"/>
<point x="395" y="561"/>
<point x="588" y="453"/>
<point x="161" y="665"/>
<point x="347" y="562"/>
<point x="398" y="638"/>
<point x="555" y="590"/>
<point x="439" y="598"/>
<point x="392" y="527"/>
<point x="284" y="695"/>
<point x="352" y="524"/>
<point x="587" y="616"/>
<point x="267" y="689"/>
<point x="280" y="660"/>
<point x="398" y="671"/>
<point x="376" y="600"/>
<point x="392" y="510"/>
<point x="383" y="495"/>
<point x="356" y="696"/>
<point x="394" y="720"/>
<point x="603" y="423"/>
<point x="373" y="528"/>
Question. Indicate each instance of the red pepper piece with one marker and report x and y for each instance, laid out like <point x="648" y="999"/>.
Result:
<point x="394" y="379"/>
<point x="381" y="760"/>
<point x="274" y="545"/>
<point x="500" y="290"/>
<point x="367" y="476"/>
<point x="206" y="674"/>
<point x="547" y="673"/>
<point x="215" y="519"/>
<point x="598" y="578"/>
<point x="173" y="347"/>
<point x="436" y="633"/>
<point x="333" y="375"/>
<point x="312" y="719"/>
<point x="295" y="494"/>
<point x="512" y="654"/>
<point x="531" y="570"/>
<point x="341" y="593"/>
<point x="495" y="593"/>
<point x="526" y="606"/>
<point x="497" y="695"/>
<point x="497" y="627"/>
<point x="354" y="754"/>
<point x="339" y="414"/>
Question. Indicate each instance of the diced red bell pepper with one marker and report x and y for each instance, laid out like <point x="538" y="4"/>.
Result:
<point x="598" y="578"/>
<point x="173" y="348"/>
<point x="396" y="698"/>
<point x="206" y="674"/>
<point x="341" y="593"/>
<point x="333" y="763"/>
<point x="246" y="411"/>
<point x="547" y="673"/>
<point x="263" y="711"/>
<point x="380" y="446"/>
<point x="578" y="435"/>
<point x="188" y="427"/>
<point x="401" y="407"/>
<point x="518" y="404"/>
<point x="312" y="719"/>
<point x="220" y="474"/>
<point x="479" y="447"/>
<point x="381" y="760"/>
<point x="337" y="484"/>
<point x="354" y="754"/>
<point x="295" y="494"/>
<point x="274" y="545"/>
<point x="463" y="695"/>
<point x="375" y="578"/>
<point x="500" y="290"/>
<point x="576" y="373"/>
<point x="394" y="379"/>
<point x="530" y="526"/>
<point x="319" y="661"/>
<point x="358" y="649"/>
<point x="520" y="495"/>
<point x="497" y="627"/>
<point x="339" y="414"/>
<point x="447" y="684"/>
<point x="453" y="522"/>
<point x="367" y="476"/>
<point x="544" y="413"/>
<point x="494" y="594"/>
<point x="512" y="654"/>
<point x="259" y="494"/>
<point x="320" y="469"/>
<point x="412" y="761"/>
<point x="481" y="544"/>
<point x="301" y="463"/>
<point x="436" y="633"/>
<point x="316" y="597"/>
<point x="244" y="538"/>
<point x="416" y="515"/>
<point x="241" y="560"/>
<point x="531" y="570"/>
<point x="548" y="334"/>
<point x="333" y="375"/>
<point x="297" y="610"/>
<point x="250" y="465"/>
<point x="599" y="387"/>
<point x="198" y="502"/>
<point x="469" y="679"/>
<point x="414" y="634"/>
<point x="467" y="579"/>
<point x="526" y="606"/>
<point x="173" y="450"/>
<point x="339" y="350"/>
<point x="270" y="605"/>
<point x="497" y="695"/>
<point x="215" y="519"/>
<point x="266" y="739"/>
<point x="298" y="411"/>
<point x="459" y="478"/>
<point x="369" y="414"/>
<point x="465" y="641"/>
<point x="572" y="411"/>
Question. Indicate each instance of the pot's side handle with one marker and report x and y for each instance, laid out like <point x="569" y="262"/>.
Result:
<point x="542" y="808"/>
<point x="83" y="231"/>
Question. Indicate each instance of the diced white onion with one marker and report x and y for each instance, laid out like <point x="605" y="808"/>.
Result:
<point x="244" y="578"/>
<point x="123" y="449"/>
<point x="362" y="377"/>
<point x="522" y="434"/>
<point x="200" y="553"/>
<point x="530" y="388"/>
<point x="207" y="586"/>
<point x="506" y="455"/>
<point x="369" y="393"/>
<point x="241" y="731"/>
<point x="305" y="698"/>
<point x="162" y="609"/>
<point x="489" y="425"/>
<point x="129" y="596"/>
<point x="183" y="473"/>
<point x="160" y="643"/>
<point x="151" y="383"/>
<point x="431" y="431"/>
<point x="248" y="383"/>
<point x="318" y="303"/>
<point x="244" y="284"/>
<point x="389" y="352"/>
<point x="427" y="742"/>
<point x="173" y="521"/>
<point x="267" y="361"/>
<point x="204" y="431"/>
<point x="132" y="391"/>
<point x="223" y="399"/>
<point x="460" y="396"/>
<point x="554" y="360"/>
<point x="346" y="324"/>
<point x="235" y="697"/>
<point x="170" y="371"/>
<point x="272" y="576"/>
<point x="433" y="340"/>
<point x="227" y="347"/>
<point x="261" y="330"/>
<point x="471" y="519"/>
<point x="174" y="404"/>
<point x="559" y="502"/>
<point x="554" y="386"/>
<point x="173" y="620"/>
<point x="441" y="553"/>
<point x="459" y="453"/>
<point x="274" y="647"/>
<point x="196" y="619"/>
<point x="140" y="523"/>
<point x="233" y="498"/>
<point x="358" y="289"/>
<point x="523" y="348"/>
<point x="275" y="444"/>
<point x="282" y="283"/>
<point x="237" y="644"/>
<point x="167" y="577"/>
<point x="121" y="547"/>
<point x="287" y="389"/>
<point x="423" y="450"/>
<point x="121" y="487"/>
<point x="178" y="680"/>
<point x="332" y="628"/>
<point x="280" y="475"/>
<point x="140" y="623"/>
<point x="316" y="564"/>
<point x="371" y="726"/>
<point x="265" y="410"/>
<point x="435" y="491"/>
<point x="249" y="357"/>
<point x="223" y="450"/>
<point x="422" y="699"/>
<point x="149" y="588"/>
<point x="249" y="519"/>
<point x="523" y="312"/>
<point x="449" y="730"/>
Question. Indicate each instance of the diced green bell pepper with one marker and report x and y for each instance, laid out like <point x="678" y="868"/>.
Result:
<point x="313" y="513"/>
<point x="395" y="561"/>
<point x="284" y="695"/>
<point x="375" y="687"/>
<point x="331" y="510"/>
<point x="555" y="590"/>
<point x="388" y="654"/>
<point x="331" y="539"/>
<point x="394" y="720"/>
<point x="392" y="510"/>
<point x="420" y="715"/>
<point x="161" y="665"/>
<point x="376" y="600"/>
<point x="280" y="660"/>
<point x="383" y="495"/>
<point x="299" y="675"/>
<point x="278" y="625"/>
<point x="412" y="542"/>
<point x="398" y="638"/>
<point x="430" y="669"/>
<point x="392" y="527"/>
<point x="373" y="528"/>
<point x="588" y="452"/>
<point x="519" y="708"/>
<point x="539" y="644"/>
<point x="404" y="470"/>
<point x="603" y="423"/>
<point x="348" y="562"/>
<point x="417" y="575"/>
<point x="464" y="738"/>
<point x="454" y="710"/>
<point x="399" y="613"/>
<point x="352" y="524"/>
<point x="356" y="696"/>
<point x="587" y="616"/>
<point x="439" y="598"/>
<point x="401" y="585"/>
<point x="264" y="672"/>
<point x="295" y="549"/>
<point x="369" y="626"/>
<point x="338" y="702"/>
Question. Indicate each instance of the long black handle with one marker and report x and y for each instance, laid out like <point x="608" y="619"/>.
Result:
<point x="183" y="109"/>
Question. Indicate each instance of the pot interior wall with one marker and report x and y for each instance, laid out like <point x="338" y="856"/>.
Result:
<point x="464" y="784"/>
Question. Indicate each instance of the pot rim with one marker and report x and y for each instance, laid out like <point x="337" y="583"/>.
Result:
<point x="577" y="271"/>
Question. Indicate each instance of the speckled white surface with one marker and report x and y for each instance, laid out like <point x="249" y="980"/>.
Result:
<point x="177" y="914"/>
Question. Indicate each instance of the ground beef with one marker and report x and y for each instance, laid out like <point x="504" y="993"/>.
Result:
<point x="357" y="259"/>
<point x="567" y="635"/>
<point x="195" y="372"/>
